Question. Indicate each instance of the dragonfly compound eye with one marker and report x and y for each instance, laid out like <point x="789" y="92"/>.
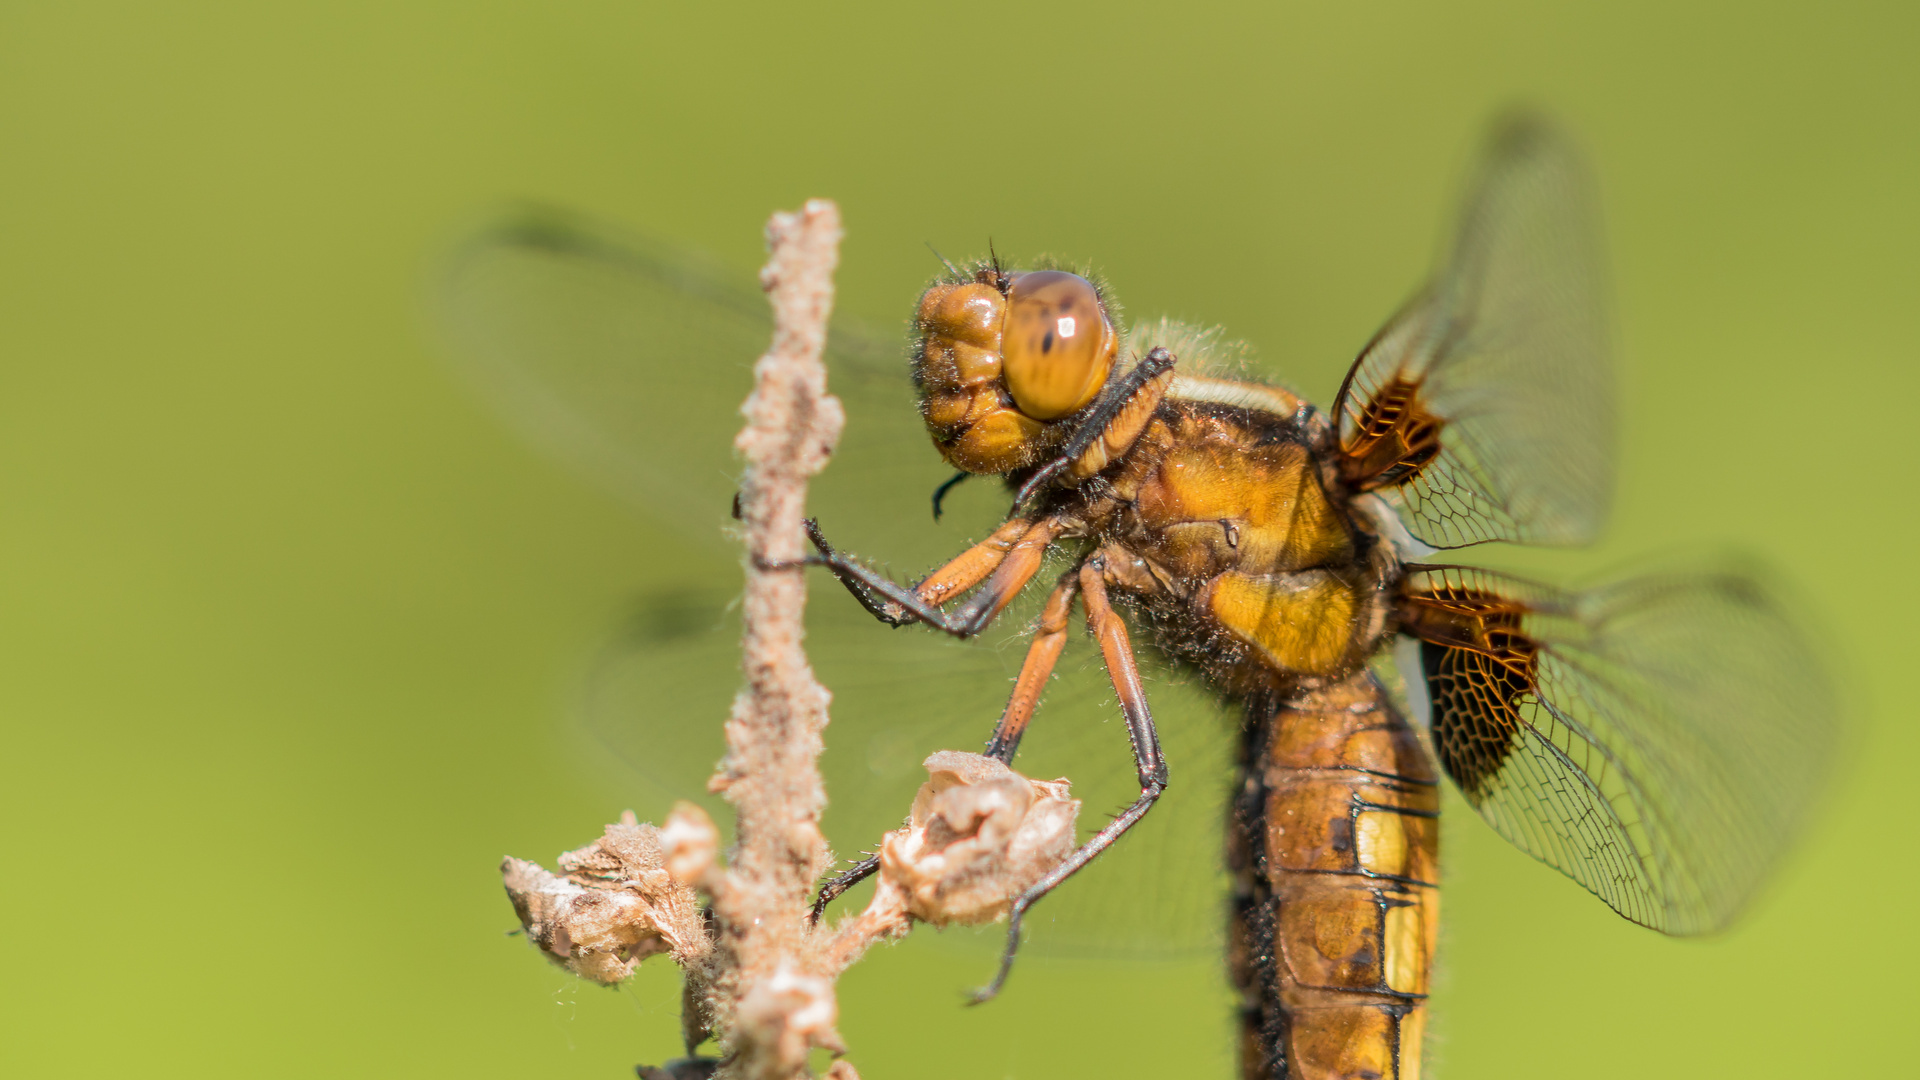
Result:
<point x="1058" y="345"/>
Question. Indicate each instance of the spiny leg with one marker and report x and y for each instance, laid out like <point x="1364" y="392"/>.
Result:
<point x="841" y="882"/>
<point x="1117" y="649"/>
<point x="1115" y="421"/>
<point x="972" y="566"/>
<point x="1042" y="655"/>
<point x="1012" y="555"/>
<point x="961" y="573"/>
<point x="1007" y="560"/>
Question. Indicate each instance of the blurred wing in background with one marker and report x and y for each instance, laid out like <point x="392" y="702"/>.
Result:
<point x="1658" y="740"/>
<point x="1484" y="410"/>
<point x="629" y="360"/>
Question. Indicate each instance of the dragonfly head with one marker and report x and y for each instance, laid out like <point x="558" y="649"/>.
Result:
<point x="1003" y="357"/>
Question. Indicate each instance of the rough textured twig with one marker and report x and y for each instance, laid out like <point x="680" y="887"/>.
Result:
<point x="760" y="973"/>
<point x="781" y="1006"/>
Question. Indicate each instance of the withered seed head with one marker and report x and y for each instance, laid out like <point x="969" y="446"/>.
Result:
<point x="615" y="906"/>
<point x="980" y="835"/>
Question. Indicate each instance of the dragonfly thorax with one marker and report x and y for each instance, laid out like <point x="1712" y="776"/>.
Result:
<point x="1231" y="533"/>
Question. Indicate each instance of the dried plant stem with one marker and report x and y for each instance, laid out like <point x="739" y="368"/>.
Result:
<point x="781" y="1004"/>
<point x="760" y="974"/>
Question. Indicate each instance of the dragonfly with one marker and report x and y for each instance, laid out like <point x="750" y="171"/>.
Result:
<point x="1246" y="564"/>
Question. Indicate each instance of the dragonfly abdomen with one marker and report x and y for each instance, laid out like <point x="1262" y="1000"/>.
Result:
<point x="1334" y="845"/>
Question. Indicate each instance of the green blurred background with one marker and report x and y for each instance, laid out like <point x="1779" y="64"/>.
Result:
<point x="290" y="619"/>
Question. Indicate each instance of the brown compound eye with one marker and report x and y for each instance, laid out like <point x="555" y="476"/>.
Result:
<point x="1058" y="346"/>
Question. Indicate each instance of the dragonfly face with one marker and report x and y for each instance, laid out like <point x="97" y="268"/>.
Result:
<point x="1656" y="740"/>
<point x="1003" y="357"/>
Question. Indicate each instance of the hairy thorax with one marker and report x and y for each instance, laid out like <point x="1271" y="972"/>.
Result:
<point x="1234" y="540"/>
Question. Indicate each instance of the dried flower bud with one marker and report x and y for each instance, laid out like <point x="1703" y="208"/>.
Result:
<point x="616" y="906"/>
<point x="979" y="836"/>
<point x="689" y="843"/>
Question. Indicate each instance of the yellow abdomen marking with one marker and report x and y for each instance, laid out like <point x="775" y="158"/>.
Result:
<point x="1350" y="839"/>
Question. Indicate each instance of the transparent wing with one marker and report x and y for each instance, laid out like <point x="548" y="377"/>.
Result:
<point x="1656" y="740"/>
<point x="659" y="691"/>
<point x="1484" y="410"/>
<point x="629" y="360"/>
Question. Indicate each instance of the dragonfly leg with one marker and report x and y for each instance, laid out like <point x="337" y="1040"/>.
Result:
<point x="1007" y="561"/>
<point x="1117" y="649"/>
<point x="842" y="881"/>
<point x="887" y="611"/>
<point x="1116" y="422"/>
<point x="1048" y="641"/>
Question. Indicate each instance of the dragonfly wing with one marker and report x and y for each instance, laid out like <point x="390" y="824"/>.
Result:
<point x="629" y="359"/>
<point x="1656" y="740"/>
<point x="1484" y="410"/>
